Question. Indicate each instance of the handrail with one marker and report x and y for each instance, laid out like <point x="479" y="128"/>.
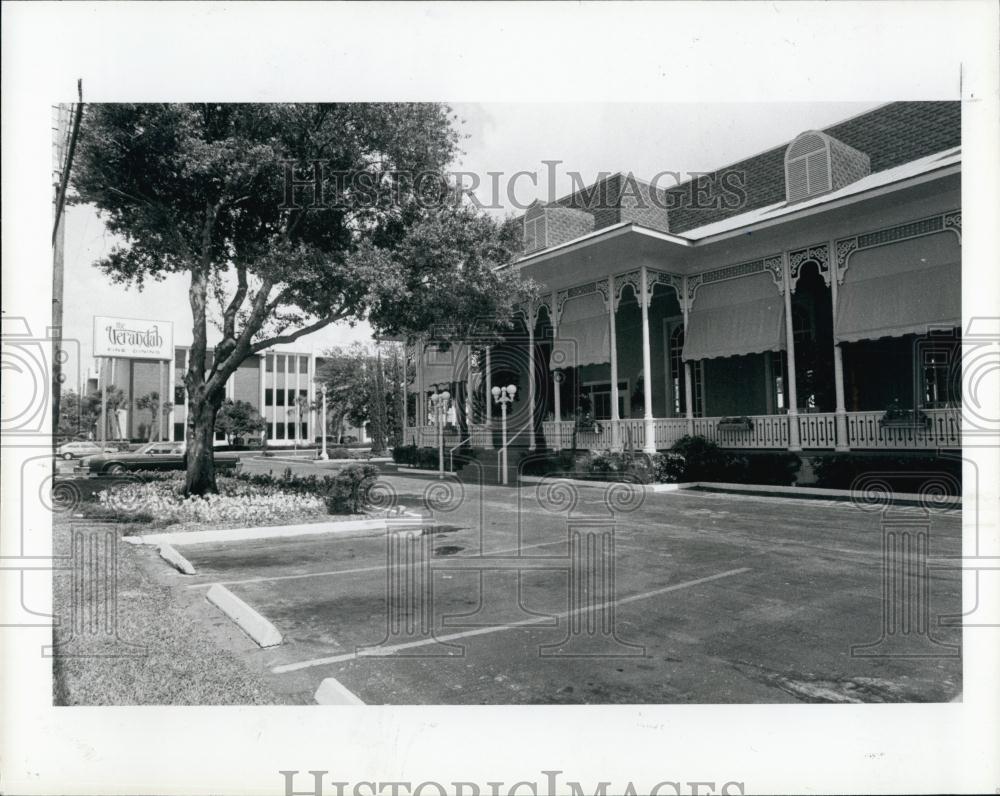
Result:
<point x="509" y="440"/>
<point x="451" y="453"/>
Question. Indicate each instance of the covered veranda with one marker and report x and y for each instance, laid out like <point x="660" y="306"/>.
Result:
<point x="823" y="347"/>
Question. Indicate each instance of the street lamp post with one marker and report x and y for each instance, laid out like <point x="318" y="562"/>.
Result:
<point x="503" y="396"/>
<point x="322" y="426"/>
<point x="439" y="403"/>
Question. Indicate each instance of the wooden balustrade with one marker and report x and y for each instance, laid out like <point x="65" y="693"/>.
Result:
<point x="942" y="430"/>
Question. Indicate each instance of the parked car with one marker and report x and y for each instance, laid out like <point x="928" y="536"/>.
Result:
<point x="80" y="448"/>
<point x="154" y="456"/>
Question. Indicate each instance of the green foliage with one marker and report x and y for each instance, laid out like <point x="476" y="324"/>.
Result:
<point x="901" y="472"/>
<point x="375" y="234"/>
<point x="704" y="460"/>
<point x="345" y="492"/>
<point x="425" y="458"/>
<point x="238" y="419"/>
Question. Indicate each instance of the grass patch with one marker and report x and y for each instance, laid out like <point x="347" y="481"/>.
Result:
<point x="182" y="664"/>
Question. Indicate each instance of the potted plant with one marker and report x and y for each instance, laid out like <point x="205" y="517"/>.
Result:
<point x="895" y="416"/>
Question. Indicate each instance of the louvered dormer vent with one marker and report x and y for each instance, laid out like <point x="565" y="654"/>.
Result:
<point x="816" y="164"/>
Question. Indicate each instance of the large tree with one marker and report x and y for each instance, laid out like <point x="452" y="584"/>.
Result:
<point x="287" y="218"/>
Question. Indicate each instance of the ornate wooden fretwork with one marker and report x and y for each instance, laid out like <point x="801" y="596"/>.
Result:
<point x="950" y="221"/>
<point x="562" y="296"/>
<point x="654" y="278"/>
<point x="772" y="264"/>
<point x="818" y="253"/>
<point x="633" y="279"/>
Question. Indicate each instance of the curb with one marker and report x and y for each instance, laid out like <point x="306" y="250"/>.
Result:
<point x="332" y="692"/>
<point x="263" y="633"/>
<point x="810" y="491"/>
<point x="345" y="528"/>
<point x="169" y="554"/>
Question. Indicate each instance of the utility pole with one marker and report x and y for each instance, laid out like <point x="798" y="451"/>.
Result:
<point x="67" y="130"/>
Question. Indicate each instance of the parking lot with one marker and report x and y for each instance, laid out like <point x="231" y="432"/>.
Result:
<point x="571" y="594"/>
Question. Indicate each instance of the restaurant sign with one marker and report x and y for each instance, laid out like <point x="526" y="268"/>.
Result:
<point x="129" y="338"/>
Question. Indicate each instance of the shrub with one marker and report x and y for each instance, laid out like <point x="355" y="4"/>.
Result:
<point x="423" y="457"/>
<point x="901" y="472"/>
<point x="626" y="464"/>
<point x="703" y="459"/>
<point x="668" y="468"/>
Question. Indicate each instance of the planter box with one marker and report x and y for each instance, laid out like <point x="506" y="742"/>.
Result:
<point x="906" y="420"/>
<point x="735" y="424"/>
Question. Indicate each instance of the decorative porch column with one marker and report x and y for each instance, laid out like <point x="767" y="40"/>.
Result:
<point x="406" y="397"/>
<point x="794" y="443"/>
<point x="648" y="428"/>
<point x="469" y="419"/>
<point x="556" y="377"/>
<point x="688" y="370"/>
<point x="840" y="416"/>
<point x="421" y="398"/>
<point x="689" y="398"/>
<point x="615" y="418"/>
<point x="531" y="382"/>
<point x="489" y="399"/>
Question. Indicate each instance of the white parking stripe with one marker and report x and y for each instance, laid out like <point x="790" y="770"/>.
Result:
<point x="380" y="567"/>
<point x="482" y="631"/>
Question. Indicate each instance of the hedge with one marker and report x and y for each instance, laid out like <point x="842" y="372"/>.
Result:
<point x="905" y="473"/>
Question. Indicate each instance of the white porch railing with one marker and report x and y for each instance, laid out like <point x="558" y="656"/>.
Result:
<point x="766" y="431"/>
<point x="944" y="430"/>
<point x="816" y="432"/>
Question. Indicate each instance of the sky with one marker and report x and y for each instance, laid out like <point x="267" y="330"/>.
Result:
<point x="586" y="138"/>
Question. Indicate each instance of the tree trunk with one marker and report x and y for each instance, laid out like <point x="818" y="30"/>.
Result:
<point x="200" y="456"/>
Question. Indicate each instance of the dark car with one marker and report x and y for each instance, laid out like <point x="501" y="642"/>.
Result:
<point x="154" y="456"/>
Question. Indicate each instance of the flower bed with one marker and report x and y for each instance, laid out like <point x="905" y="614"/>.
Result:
<point x="244" y="499"/>
<point x="237" y="501"/>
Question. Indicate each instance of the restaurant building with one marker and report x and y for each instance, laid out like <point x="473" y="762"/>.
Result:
<point x="805" y="298"/>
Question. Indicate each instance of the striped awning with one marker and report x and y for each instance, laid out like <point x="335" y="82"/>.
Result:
<point x="442" y="367"/>
<point x="583" y="334"/>
<point x="734" y="318"/>
<point x="893" y="305"/>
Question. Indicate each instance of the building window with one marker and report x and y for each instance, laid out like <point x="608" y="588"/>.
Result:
<point x="938" y="369"/>
<point x="180" y="358"/>
<point x="698" y="388"/>
<point x="180" y="395"/>
<point x="303" y="365"/>
<point x="677" y="387"/>
<point x="600" y="399"/>
<point x="178" y="432"/>
<point x="291" y="397"/>
<point x="280" y="429"/>
<point x="268" y="397"/>
<point x="303" y="431"/>
<point x="269" y="363"/>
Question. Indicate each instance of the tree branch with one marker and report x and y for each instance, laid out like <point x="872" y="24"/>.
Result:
<point x="291" y="337"/>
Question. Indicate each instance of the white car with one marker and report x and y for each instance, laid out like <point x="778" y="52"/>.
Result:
<point x="80" y="448"/>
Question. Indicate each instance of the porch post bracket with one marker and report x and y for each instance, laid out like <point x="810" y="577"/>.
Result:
<point x="631" y="279"/>
<point x="817" y="253"/>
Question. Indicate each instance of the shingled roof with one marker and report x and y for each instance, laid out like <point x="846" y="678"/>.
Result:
<point x="891" y="135"/>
